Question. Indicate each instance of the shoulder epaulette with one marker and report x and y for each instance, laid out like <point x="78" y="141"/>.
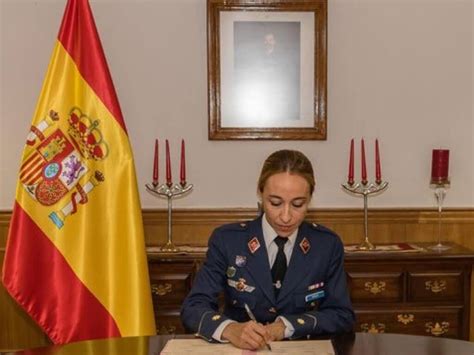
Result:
<point x="241" y="226"/>
<point x="322" y="228"/>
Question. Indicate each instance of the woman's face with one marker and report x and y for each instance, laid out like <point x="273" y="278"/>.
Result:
<point x="285" y="200"/>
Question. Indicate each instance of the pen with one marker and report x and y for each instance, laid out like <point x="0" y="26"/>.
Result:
<point x="252" y="317"/>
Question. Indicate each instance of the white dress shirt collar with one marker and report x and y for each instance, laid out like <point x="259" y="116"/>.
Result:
<point x="269" y="234"/>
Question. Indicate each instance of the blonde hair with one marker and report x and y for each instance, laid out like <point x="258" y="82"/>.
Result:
<point x="290" y="161"/>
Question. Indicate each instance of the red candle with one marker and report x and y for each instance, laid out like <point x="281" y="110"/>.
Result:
<point x="378" y="171"/>
<point x="440" y="166"/>
<point x="350" y="177"/>
<point x="155" y="165"/>
<point x="168" y="165"/>
<point x="182" y="173"/>
<point x="364" y="167"/>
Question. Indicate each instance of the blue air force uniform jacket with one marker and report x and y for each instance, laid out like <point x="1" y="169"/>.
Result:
<point x="313" y="296"/>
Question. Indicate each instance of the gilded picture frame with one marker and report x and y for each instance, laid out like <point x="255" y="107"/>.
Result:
<point x="267" y="69"/>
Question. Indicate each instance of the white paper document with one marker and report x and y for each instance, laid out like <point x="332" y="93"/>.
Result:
<point x="199" y="346"/>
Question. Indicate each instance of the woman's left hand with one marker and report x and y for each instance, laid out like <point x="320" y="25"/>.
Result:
<point x="276" y="330"/>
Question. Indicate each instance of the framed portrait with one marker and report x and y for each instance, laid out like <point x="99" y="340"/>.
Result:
<point x="267" y="69"/>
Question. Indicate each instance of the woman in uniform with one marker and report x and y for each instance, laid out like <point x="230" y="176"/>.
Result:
<point x="282" y="271"/>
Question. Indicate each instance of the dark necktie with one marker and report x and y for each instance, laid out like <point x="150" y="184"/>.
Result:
<point x="279" y="265"/>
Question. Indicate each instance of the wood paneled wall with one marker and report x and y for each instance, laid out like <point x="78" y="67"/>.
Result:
<point x="193" y="227"/>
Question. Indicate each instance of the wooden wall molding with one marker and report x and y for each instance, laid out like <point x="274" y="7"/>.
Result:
<point x="339" y="215"/>
<point x="193" y="226"/>
<point x="457" y="215"/>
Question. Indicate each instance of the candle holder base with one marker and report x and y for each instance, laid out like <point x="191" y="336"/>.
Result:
<point x="365" y="189"/>
<point x="440" y="194"/>
<point x="169" y="247"/>
<point x="366" y="245"/>
<point x="169" y="191"/>
<point x="439" y="247"/>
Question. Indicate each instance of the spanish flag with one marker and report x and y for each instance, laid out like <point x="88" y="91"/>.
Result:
<point x="75" y="257"/>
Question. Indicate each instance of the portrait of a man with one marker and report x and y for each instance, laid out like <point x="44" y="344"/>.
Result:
<point x="267" y="74"/>
<point x="266" y="77"/>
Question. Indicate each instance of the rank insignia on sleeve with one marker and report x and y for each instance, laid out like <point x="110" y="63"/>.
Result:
<point x="305" y="245"/>
<point x="240" y="260"/>
<point x="216" y="317"/>
<point x="254" y="244"/>
<point x="300" y="321"/>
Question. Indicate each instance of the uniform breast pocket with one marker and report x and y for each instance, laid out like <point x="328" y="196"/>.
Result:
<point x="309" y="301"/>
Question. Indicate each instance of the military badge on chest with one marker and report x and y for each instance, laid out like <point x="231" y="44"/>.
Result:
<point x="230" y="272"/>
<point x="240" y="260"/>
<point x="240" y="285"/>
<point x="253" y="245"/>
<point x="305" y="246"/>
<point x="316" y="295"/>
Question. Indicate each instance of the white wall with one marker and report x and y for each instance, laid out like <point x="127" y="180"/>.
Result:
<point x="399" y="70"/>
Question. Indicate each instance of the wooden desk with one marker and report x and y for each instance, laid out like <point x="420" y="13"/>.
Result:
<point x="425" y="293"/>
<point x="354" y="344"/>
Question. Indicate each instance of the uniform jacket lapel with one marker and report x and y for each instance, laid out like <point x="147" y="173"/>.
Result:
<point x="299" y="265"/>
<point x="257" y="262"/>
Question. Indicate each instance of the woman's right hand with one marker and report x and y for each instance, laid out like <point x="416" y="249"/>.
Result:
<point x="249" y="335"/>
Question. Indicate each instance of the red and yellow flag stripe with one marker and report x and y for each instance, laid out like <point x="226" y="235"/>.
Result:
<point x="89" y="278"/>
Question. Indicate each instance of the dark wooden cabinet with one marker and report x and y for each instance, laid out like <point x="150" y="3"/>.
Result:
<point x="423" y="293"/>
<point x="171" y="277"/>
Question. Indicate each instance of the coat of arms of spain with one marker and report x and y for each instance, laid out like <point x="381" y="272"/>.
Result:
<point x="54" y="169"/>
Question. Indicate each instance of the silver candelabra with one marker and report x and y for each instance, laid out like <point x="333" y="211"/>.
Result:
<point x="169" y="191"/>
<point x="365" y="189"/>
